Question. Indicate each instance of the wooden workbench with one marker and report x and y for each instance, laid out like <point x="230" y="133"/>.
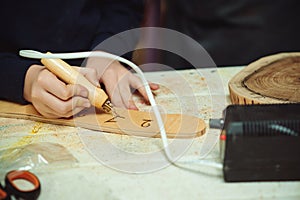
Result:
<point x="76" y="163"/>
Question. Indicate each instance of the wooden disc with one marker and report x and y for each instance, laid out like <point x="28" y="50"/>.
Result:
<point x="272" y="79"/>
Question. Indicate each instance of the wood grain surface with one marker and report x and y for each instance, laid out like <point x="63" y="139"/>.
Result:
<point x="271" y="79"/>
<point x="123" y="121"/>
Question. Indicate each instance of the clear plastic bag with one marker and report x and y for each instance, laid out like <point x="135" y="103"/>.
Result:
<point x="35" y="156"/>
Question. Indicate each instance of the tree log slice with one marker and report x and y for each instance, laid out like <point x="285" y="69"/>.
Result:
<point x="271" y="79"/>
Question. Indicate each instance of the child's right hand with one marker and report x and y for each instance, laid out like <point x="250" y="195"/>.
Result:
<point x="53" y="98"/>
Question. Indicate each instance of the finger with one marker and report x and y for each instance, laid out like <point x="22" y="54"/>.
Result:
<point x="119" y="93"/>
<point x="46" y="111"/>
<point x="78" y="104"/>
<point x="126" y="96"/>
<point x="43" y="109"/>
<point x="60" y="104"/>
<point x="53" y="98"/>
<point x="52" y="115"/>
<point x="90" y="74"/>
<point x="154" y="86"/>
<point x="62" y="91"/>
<point x="136" y="83"/>
<point x="114" y="94"/>
<point x="141" y="88"/>
<point x="62" y="108"/>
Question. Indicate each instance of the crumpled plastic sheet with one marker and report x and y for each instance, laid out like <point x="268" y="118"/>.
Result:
<point x="35" y="156"/>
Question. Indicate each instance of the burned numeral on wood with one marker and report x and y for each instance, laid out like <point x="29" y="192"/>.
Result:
<point x="114" y="118"/>
<point x="146" y="123"/>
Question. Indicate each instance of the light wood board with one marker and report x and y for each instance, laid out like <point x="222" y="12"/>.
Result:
<point x="123" y="121"/>
<point x="271" y="79"/>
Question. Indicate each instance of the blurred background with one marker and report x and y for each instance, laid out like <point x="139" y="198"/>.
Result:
<point x="234" y="33"/>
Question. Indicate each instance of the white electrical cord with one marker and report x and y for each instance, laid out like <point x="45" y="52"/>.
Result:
<point x="75" y="55"/>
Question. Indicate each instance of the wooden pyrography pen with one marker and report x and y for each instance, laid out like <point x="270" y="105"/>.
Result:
<point x="68" y="74"/>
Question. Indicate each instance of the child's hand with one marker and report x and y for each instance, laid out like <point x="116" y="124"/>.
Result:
<point x="53" y="98"/>
<point x="119" y="82"/>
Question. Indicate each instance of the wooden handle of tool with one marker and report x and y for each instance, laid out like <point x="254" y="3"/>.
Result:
<point x="69" y="75"/>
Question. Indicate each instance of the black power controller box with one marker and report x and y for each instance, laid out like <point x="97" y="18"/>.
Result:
<point x="261" y="142"/>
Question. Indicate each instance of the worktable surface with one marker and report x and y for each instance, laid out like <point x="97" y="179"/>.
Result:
<point x="75" y="163"/>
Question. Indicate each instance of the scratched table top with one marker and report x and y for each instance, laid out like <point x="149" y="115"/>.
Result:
<point x="76" y="163"/>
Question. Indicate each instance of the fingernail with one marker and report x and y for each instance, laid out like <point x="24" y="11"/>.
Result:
<point x="132" y="107"/>
<point x="98" y="84"/>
